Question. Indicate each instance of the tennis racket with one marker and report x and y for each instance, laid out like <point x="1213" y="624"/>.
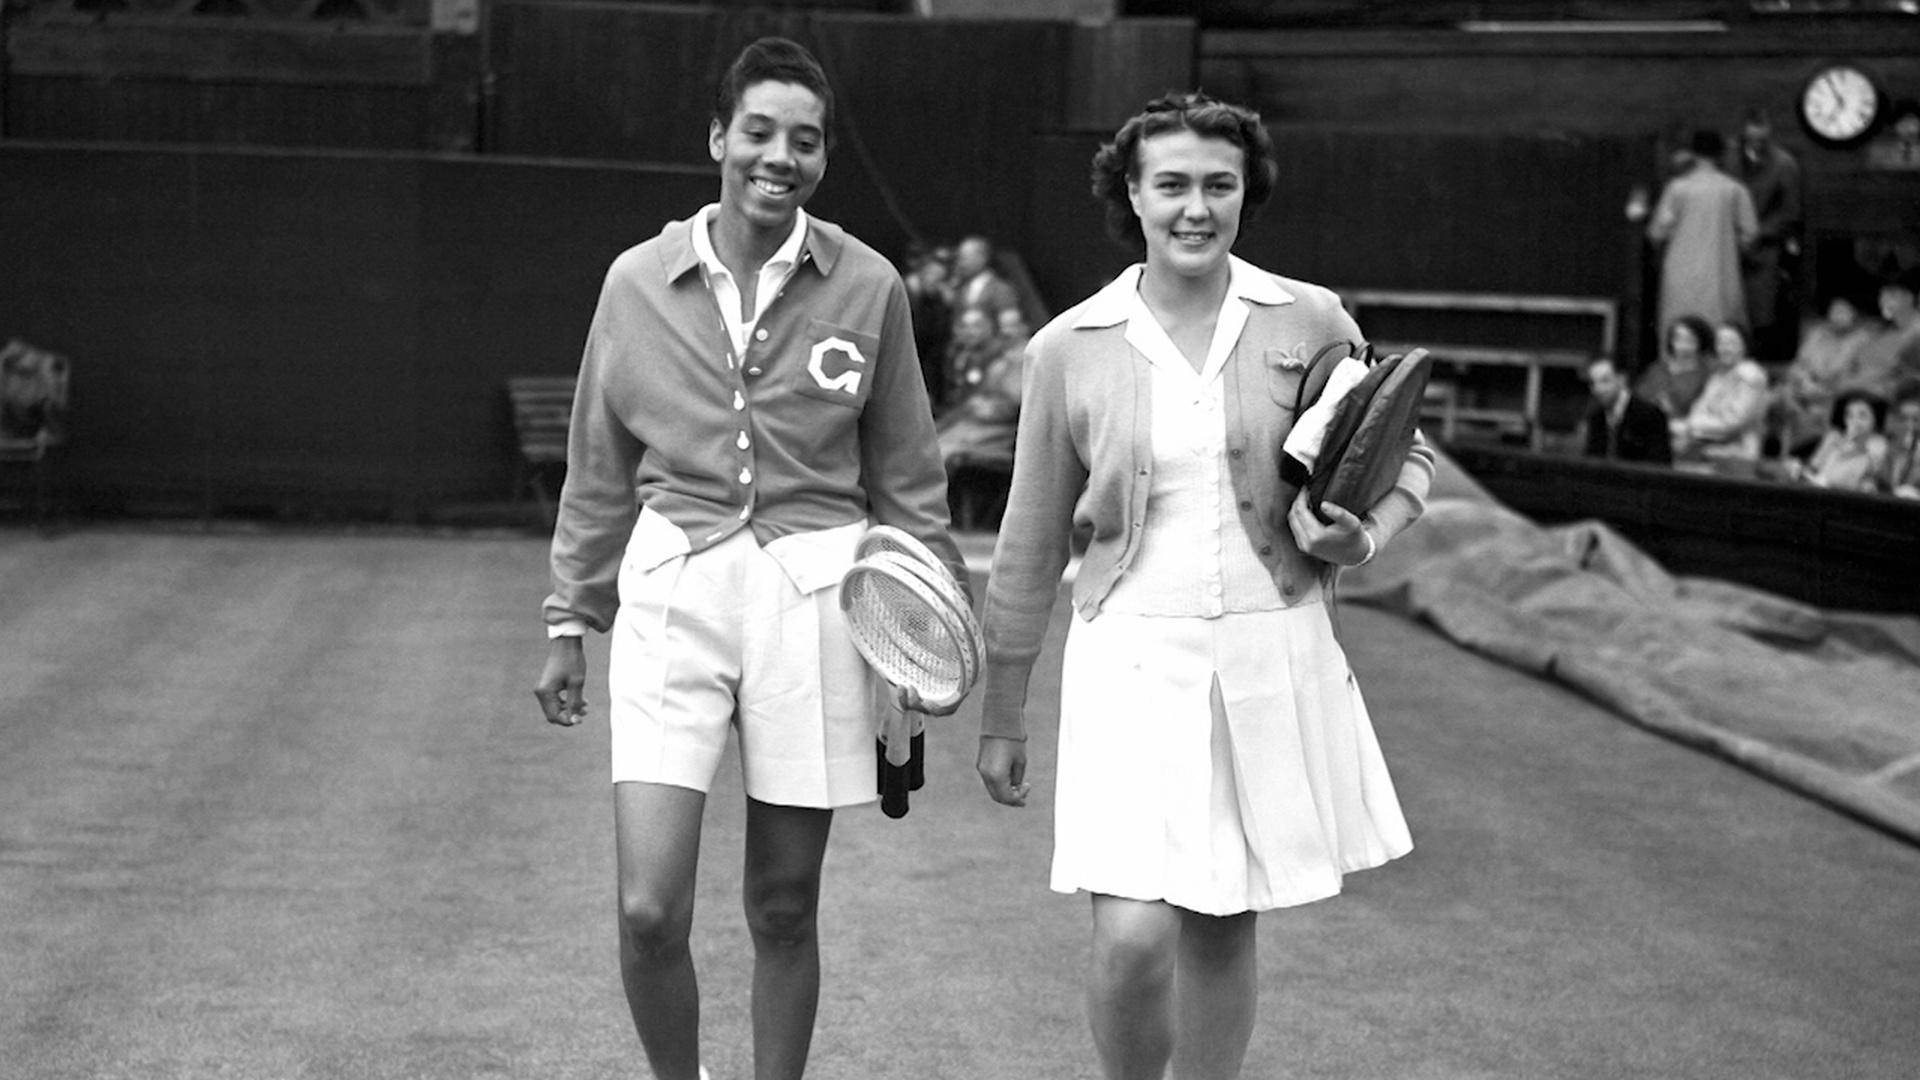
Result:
<point x="940" y="576"/>
<point x="906" y="629"/>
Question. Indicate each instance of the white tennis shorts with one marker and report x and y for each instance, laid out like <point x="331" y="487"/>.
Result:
<point x="746" y="638"/>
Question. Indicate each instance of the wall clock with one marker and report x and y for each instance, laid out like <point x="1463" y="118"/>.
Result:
<point x="1840" y="105"/>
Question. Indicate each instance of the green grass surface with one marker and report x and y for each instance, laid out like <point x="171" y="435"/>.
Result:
<point x="281" y="805"/>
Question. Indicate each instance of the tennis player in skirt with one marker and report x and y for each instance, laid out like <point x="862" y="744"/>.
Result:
<point x="749" y="401"/>
<point x="1216" y="759"/>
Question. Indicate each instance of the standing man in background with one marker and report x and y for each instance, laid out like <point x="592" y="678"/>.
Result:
<point x="1770" y="267"/>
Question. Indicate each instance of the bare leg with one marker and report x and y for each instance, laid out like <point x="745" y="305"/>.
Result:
<point x="657" y="835"/>
<point x="781" y="892"/>
<point x="1131" y="988"/>
<point x="1216" y="989"/>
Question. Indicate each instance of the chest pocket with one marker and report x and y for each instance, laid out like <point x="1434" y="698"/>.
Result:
<point x="836" y="364"/>
<point x="1284" y="369"/>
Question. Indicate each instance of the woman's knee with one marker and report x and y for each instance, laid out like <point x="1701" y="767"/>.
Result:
<point x="1135" y="946"/>
<point x="652" y="924"/>
<point x="783" y="912"/>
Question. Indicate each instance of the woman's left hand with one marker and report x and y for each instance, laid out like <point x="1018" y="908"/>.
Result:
<point x="1343" y="541"/>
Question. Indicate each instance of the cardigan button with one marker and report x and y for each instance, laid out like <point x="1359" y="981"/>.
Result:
<point x="1235" y="452"/>
<point x="1247" y="504"/>
<point x="1267" y="549"/>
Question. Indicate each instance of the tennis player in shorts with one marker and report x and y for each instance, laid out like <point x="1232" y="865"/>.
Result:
<point x="750" y="400"/>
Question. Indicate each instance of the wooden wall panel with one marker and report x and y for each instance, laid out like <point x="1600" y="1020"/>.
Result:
<point x="935" y="118"/>
<point x="307" y="332"/>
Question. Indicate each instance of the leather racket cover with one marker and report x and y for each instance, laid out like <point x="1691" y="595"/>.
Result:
<point x="1370" y="435"/>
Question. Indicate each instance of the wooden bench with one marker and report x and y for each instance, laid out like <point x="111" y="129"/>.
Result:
<point x="542" y="410"/>
<point x="1597" y="319"/>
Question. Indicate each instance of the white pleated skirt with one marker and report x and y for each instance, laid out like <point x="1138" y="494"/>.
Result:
<point x="1222" y="765"/>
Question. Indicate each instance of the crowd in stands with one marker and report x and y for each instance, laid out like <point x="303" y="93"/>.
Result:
<point x="1843" y="413"/>
<point x="973" y="309"/>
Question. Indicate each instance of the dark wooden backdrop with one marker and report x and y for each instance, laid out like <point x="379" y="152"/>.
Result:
<point x="295" y="265"/>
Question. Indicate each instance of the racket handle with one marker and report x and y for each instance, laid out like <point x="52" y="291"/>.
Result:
<point x="895" y="782"/>
<point x="917" y="762"/>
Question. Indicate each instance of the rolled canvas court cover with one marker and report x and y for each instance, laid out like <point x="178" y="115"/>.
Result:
<point x="1825" y="702"/>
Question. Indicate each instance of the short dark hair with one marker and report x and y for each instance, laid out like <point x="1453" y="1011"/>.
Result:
<point x="1118" y="162"/>
<point x="1707" y="143"/>
<point x="1838" y="418"/>
<point x="773" y="59"/>
<point x="1699" y="327"/>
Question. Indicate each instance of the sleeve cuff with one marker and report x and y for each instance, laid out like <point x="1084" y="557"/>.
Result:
<point x="567" y="628"/>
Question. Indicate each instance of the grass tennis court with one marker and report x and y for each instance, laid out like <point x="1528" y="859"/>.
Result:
<point x="279" y="804"/>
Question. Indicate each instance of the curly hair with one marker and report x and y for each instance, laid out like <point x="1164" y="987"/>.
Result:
<point x="1117" y="163"/>
<point x="773" y="59"/>
<point x="1874" y="402"/>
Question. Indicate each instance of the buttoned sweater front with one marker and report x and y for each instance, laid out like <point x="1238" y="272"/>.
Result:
<point x="823" y="421"/>
<point x="1084" y="463"/>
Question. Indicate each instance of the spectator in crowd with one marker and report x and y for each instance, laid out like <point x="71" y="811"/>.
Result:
<point x="1804" y="396"/>
<point x="1852" y="456"/>
<point x="971" y="347"/>
<point x="976" y="283"/>
<point x="33" y="392"/>
<point x="1772" y="179"/>
<point x="982" y="425"/>
<point x="1902" y="476"/>
<point x="1619" y="426"/>
<point x="1891" y="357"/>
<point x="1725" y="423"/>
<point x="930" y="299"/>
<point x="1703" y="221"/>
<point x="1675" y="380"/>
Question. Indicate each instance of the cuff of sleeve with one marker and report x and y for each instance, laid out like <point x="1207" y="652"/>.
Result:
<point x="567" y="628"/>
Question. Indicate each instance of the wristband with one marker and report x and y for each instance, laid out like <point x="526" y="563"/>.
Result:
<point x="1373" y="547"/>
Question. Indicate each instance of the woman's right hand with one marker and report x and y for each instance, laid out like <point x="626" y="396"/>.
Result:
<point x="562" y="687"/>
<point x="1003" y="768"/>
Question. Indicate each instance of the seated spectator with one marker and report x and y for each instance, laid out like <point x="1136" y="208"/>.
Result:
<point x="1902" y="475"/>
<point x="1723" y="427"/>
<point x="983" y="425"/>
<point x="970" y="348"/>
<point x="1890" y="357"/>
<point x="1805" y="395"/>
<point x="976" y="283"/>
<point x="1619" y="426"/>
<point x="33" y="392"/>
<point x="1852" y="456"/>
<point x="1674" y="381"/>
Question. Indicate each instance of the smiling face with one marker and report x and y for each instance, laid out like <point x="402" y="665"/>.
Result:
<point x="1729" y="347"/>
<point x="771" y="154"/>
<point x="1188" y="196"/>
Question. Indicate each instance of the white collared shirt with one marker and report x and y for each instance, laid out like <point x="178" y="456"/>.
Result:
<point x="726" y="292"/>
<point x="1195" y="559"/>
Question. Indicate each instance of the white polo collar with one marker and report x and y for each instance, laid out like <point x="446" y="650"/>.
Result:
<point x="1112" y="305"/>
<point x="783" y="258"/>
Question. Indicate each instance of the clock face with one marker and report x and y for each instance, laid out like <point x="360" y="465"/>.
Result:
<point x="1839" y="104"/>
